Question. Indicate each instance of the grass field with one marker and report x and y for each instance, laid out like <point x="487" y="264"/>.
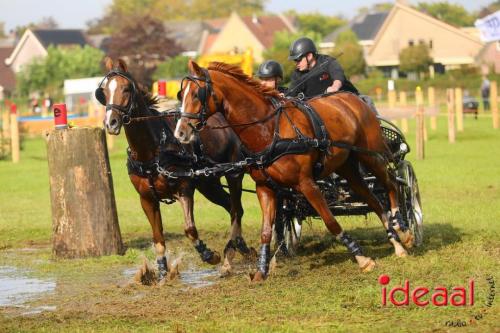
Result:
<point x="319" y="290"/>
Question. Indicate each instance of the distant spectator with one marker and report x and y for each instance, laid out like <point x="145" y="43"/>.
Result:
<point x="485" y="93"/>
<point x="35" y="107"/>
<point x="47" y="102"/>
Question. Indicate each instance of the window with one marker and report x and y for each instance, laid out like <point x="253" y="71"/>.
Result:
<point x="411" y="42"/>
<point x="430" y="44"/>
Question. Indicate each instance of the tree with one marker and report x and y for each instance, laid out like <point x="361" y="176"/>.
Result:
<point x="378" y="7"/>
<point x="489" y="9"/>
<point x="172" y="68"/>
<point x="279" y="51"/>
<point x="45" y="23"/>
<point x="143" y="43"/>
<point x="121" y="11"/>
<point x="415" y="58"/>
<point x="203" y="9"/>
<point x="352" y="59"/>
<point x="452" y="14"/>
<point x="317" y="22"/>
<point x="48" y="74"/>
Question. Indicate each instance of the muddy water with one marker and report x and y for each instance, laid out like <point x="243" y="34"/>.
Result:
<point x="16" y="288"/>
<point x="191" y="277"/>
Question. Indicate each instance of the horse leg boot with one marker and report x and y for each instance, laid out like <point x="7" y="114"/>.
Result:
<point x="152" y="210"/>
<point x="314" y="196"/>
<point x="207" y="255"/>
<point x="350" y="172"/>
<point x="396" y="228"/>
<point x="267" y="203"/>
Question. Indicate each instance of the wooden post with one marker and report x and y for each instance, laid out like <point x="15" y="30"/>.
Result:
<point x="450" y="103"/>
<point x="494" y="104"/>
<point x="110" y="141"/>
<point x="431" y="96"/>
<point x="402" y="98"/>
<point x="391" y="98"/>
<point x="84" y="217"/>
<point x="100" y="114"/>
<point x="420" y="124"/>
<point x="403" y="103"/>
<point x="459" y="109"/>
<point x="6" y="131"/>
<point x="14" y="134"/>
<point x="419" y="98"/>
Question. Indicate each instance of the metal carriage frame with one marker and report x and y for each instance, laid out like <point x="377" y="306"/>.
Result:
<point x="293" y="208"/>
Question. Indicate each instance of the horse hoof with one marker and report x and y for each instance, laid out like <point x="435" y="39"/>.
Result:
<point x="215" y="259"/>
<point x="366" y="264"/>
<point x="407" y="239"/>
<point x="257" y="277"/>
<point x="402" y="253"/>
<point x="229" y="254"/>
<point x="172" y="275"/>
<point x="225" y="271"/>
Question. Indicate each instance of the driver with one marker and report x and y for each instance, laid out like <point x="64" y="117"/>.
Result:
<point x="329" y="79"/>
<point x="270" y="75"/>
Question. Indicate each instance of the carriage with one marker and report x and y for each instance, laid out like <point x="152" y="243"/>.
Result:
<point x="160" y="169"/>
<point x="294" y="209"/>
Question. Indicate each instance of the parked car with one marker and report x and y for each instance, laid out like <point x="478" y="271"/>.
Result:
<point x="470" y="105"/>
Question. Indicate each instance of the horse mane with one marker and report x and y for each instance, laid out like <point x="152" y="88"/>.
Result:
<point x="150" y="100"/>
<point x="238" y="74"/>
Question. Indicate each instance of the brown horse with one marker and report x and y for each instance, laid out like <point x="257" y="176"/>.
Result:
<point x="348" y="120"/>
<point x="152" y="144"/>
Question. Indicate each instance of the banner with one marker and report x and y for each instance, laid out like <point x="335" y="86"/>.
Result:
<point x="489" y="27"/>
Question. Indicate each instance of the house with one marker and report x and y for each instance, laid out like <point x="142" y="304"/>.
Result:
<point x="365" y="26"/>
<point x="34" y="44"/>
<point x="489" y="58"/>
<point x="190" y="35"/>
<point x="7" y="76"/>
<point x="384" y="35"/>
<point x="242" y="33"/>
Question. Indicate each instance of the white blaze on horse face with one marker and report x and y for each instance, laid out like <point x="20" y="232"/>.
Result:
<point x="178" y="126"/>
<point x="112" y="87"/>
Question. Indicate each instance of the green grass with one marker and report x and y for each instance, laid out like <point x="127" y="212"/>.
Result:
<point x="320" y="290"/>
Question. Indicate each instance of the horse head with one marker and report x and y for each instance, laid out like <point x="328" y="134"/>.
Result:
<point x="117" y="92"/>
<point x="199" y="102"/>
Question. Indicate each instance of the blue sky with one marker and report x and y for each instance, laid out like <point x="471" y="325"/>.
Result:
<point x="75" y="13"/>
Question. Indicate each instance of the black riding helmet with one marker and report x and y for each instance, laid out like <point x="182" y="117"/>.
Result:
<point x="301" y="47"/>
<point x="270" y="68"/>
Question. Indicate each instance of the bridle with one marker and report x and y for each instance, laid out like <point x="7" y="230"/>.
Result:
<point x="125" y="111"/>
<point x="203" y="94"/>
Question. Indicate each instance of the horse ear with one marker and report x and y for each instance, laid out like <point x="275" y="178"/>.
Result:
<point x="194" y="68"/>
<point x="122" y="65"/>
<point x="108" y="63"/>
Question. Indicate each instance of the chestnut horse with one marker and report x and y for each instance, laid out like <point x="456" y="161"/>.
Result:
<point x="249" y="109"/>
<point x="152" y="144"/>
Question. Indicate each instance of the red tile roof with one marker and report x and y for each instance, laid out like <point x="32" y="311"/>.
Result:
<point x="7" y="76"/>
<point x="264" y="27"/>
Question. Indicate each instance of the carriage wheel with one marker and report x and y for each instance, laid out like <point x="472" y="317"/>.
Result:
<point x="410" y="203"/>
<point x="286" y="233"/>
<point x="292" y="233"/>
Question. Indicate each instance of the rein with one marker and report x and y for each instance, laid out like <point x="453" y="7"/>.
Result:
<point x="258" y="121"/>
<point x="165" y="114"/>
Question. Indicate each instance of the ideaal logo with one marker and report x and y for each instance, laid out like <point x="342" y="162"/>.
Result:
<point x="423" y="296"/>
<point x="439" y="296"/>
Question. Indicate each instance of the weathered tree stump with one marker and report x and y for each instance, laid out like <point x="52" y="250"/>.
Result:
<point x="84" y="217"/>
